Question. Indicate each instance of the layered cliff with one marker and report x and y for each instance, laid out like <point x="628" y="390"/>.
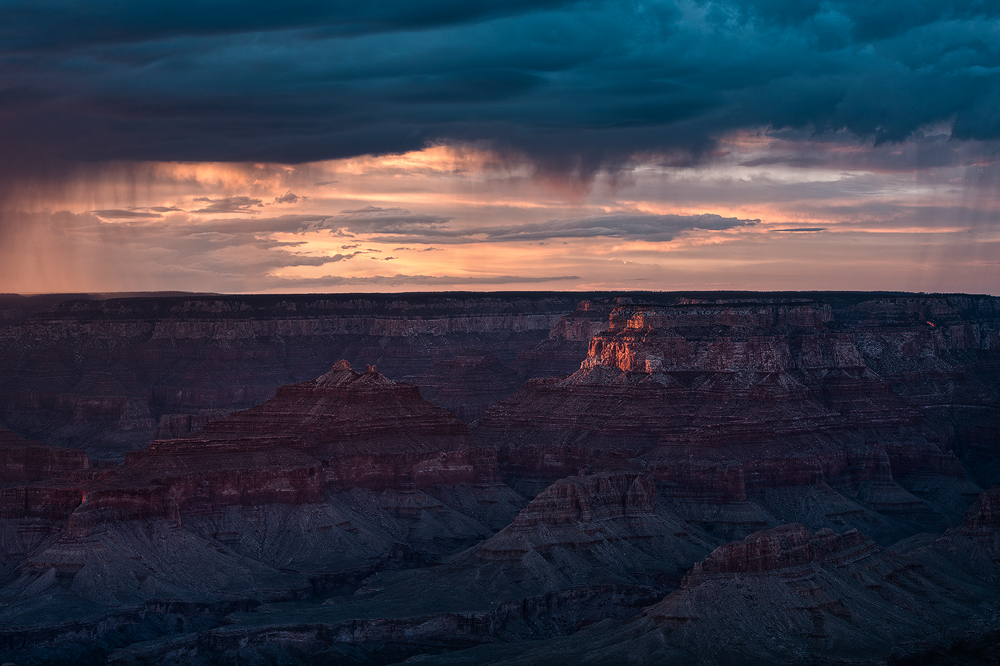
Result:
<point x="467" y="385"/>
<point x="100" y="374"/>
<point x="310" y="491"/>
<point x="740" y="411"/>
<point x="566" y="345"/>
<point x="345" y="429"/>
<point x="24" y="460"/>
<point x="790" y="596"/>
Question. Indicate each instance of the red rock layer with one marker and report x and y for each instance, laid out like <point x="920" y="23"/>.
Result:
<point x="345" y="429"/>
<point x="366" y="430"/>
<point x="779" y="548"/>
<point x="24" y="460"/>
<point x="467" y="385"/>
<point x="722" y="403"/>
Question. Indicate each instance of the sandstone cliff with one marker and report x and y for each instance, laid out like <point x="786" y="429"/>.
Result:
<point x="738" y="410"/>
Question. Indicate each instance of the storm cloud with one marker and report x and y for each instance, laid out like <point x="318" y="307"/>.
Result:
<point x="576" y="86"/>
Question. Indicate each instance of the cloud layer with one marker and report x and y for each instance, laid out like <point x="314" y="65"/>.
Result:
<point x="575" y="85"/>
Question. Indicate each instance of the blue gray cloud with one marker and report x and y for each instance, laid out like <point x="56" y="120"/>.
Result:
<point x="575" y="85"/>
<point x="409" y="228"/>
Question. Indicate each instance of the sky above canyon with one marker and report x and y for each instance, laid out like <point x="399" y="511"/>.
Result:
<point x="407" y="146"/>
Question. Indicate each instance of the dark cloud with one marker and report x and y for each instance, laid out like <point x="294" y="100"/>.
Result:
<point x="633" y="227"/>
<point x="287" y="197"/>
<point x="626" y="226"/>
<point x="61" y="24"/>
<point x="229" y="205"/>
<point x="318" y="261"/>
<point x="372" y="219"/>
<point x="576" y="86"/>
<point x="118" y="214"/>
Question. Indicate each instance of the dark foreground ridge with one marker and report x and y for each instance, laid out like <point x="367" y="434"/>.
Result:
<point x="500" y="479"/>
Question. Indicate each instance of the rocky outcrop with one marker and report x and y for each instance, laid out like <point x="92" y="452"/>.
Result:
<point x="725" y="404"/>
<point x="780" y="548"/>
<point x="566" y="346"/>
<point x="984" y="516"/>
<point x="366" y="430"/>
<point x="345" y="429"/>
<point x="609" y="523"/>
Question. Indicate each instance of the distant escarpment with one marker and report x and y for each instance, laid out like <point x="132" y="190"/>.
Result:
<point x="104" y="375"/>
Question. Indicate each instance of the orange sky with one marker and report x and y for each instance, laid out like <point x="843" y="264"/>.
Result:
<point x="754" y="216"/>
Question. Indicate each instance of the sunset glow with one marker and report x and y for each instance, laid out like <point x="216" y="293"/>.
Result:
<point x="444" y="218"/>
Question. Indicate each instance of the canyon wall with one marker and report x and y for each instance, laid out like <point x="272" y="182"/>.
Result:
<point x="559" y="479"/>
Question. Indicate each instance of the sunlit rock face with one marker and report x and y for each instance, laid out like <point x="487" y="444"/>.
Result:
<point x="718" y="338"/>
<point x="739" y="411"/>
<point x="567" y="343"/>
